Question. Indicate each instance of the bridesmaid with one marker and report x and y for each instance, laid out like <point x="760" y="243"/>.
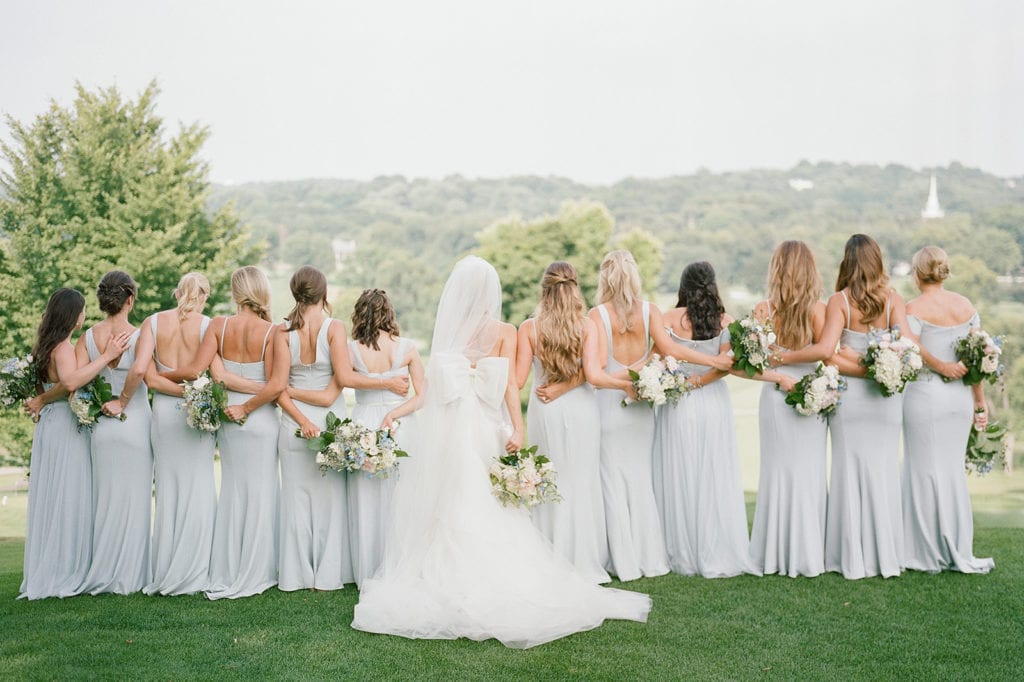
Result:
<point x="864" y="524"/>
<point x="696" y="463"/>
<point x="58" y="535"/>
<point x="937" y="524"/>
<point x="243" y="561"/>
<point x="559" y="343"/>
<point x="380" y="356"/>
<point x="788" y="537"/>
<point x="186" y="496"/>
<point x="122" y="457"/>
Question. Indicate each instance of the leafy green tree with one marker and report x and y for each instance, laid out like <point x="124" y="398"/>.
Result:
<point x="308" y="248"/>
<point x="971" y="277"/>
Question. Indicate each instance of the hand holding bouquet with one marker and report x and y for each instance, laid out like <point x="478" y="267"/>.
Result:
<point x="205" y="402"/>
<point x="817" y="393"/>
<point x="17" y="380"/>
<point x="891" y="361"/>
<point x="345" y="445"/>
<point x="752" y="343"/>
<point x="980" y="353"/>
<point x="660" y="380"/>
<point x="524" y="479"/>
<point x="88" y="401"/>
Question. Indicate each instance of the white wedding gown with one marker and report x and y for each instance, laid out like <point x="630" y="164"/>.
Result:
<point x="457" y="563"/>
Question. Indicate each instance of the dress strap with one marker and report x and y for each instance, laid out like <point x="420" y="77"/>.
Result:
<point x="263" y="351"/>
<point x="888" y="310"/>
<point x="90" y="345"/>
<point x="400" y="349"/>
<point x="223" y="331"/>
<point x="295" y="347"/>
<point x="356" y="357"/>
<point x="646" y="312"/>
<point x="203" y="326"/>
<point x="152" y="327"/>
<point x="607" y="328"/>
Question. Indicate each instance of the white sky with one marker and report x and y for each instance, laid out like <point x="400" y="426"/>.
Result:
<point x="590" y="89"/>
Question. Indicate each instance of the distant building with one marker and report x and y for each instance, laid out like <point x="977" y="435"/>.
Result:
<point x="800" y="184"/>
<point x="932" y="208"/>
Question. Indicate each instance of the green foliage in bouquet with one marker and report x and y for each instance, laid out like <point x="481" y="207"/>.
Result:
<point x="985" y="448"/>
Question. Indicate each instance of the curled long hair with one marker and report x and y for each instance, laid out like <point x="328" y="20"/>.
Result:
<point x="251" y="289"/>
<point x="698" y="293"/>
<point x="114" y="290"/>
<point x="863" y="272"/>
<point x="619" y="284"/>
<point x="59" y="319"/>
<point x="371" y="315"/>
<point x="931" y="265"/>
<point x="192" y="288"/>
<point x="559" y="320"/>
<point x="794" y="287"/>
<point x="309" y="288"/>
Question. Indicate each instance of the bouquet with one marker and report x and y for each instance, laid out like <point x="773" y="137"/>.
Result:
<point x="980" y="352"/>
<point x="205" y="402"/>
<point x="985" y="448"/>
<point x="524" y="479"/>
<point x="891" y="361"/>
<point x="817" y="392"/>
<point x="352" y="447"/>
<point x="17" y="380"/>
<point x="87" y="402"/>
<point x="751" y="344"/>
<point x="659" y="381"/>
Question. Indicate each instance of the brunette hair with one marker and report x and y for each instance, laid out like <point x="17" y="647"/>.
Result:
<point x="698" y="293"/>
<point x="114" y="290"/>
<point x="559" y="319"/>
<point x="863" y="272"/>
<point x="191" y="288"/>
<point x="309" y="287"/>
<point x="59" y="319"/>
<point x="372" y="314"/>
<point x="251" y="289"/>
<point x="931" y="265"/>
<point x="619" y="285"/>
<point x="794" y="287"/>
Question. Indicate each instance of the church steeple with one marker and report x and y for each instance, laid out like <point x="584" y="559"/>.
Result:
<point x="932" y="208"/>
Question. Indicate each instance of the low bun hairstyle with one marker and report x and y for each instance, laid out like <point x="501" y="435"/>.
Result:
<point x="114" y="290"/>
<point x="931" y="265"/>
<point x="251" y="289"/>
<point x="191" y="291"/>
<point x="371" y="315"/>
<point x="59" y="319"/>
<point x="309" y="288"/>
<point x="698" y="293"/>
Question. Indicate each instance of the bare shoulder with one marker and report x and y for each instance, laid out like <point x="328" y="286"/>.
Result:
<point x="761" y="310"/>
<point x="727" y="319"/>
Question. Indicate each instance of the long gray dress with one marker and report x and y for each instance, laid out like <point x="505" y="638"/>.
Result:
<point x="697" y="477"/>
<point x="314" y="531"/>
<point x="186" y="495"/>
<point x="369" y="499"/>
<point x="937" y="524"/>
<point x="243" y="561"/>
<point x="864" y="523"/>
<point x="564" y="431"/>
<point x="635" y="543"/>
<point x="122" y="482"/>
<point x="58" y="536"/>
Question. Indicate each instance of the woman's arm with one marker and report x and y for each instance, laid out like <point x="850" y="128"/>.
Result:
<point x="74" y="369"/>
<point x="204" y="356"/>
<point x="712" y="375"/>
<point x="594" y="370"/>
<point x="276" y="367"/>
<point x="35" y="404"/>
<point x="162" y="384"/>
<point x="144" y="347"/>
<point x="324" y="397"/>
<point x="524" y="352"/>
<point x="231" y="381"/>
<point x="664" y="344"/>
<point x="419" y="385"/>
<point x="515" y="411"/>
<point x="344" y="375"/>
<point x="825" y="347"/>
<point x="308" y="428"/>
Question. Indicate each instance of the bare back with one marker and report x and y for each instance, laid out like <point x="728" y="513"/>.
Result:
<point x="679" y="323"/>
<point x="104" y="331"/>
<point x="380" y="361"/>
<point x="629" y="347"/>
<point x="854" y="322"/>
<point x="941" y="308"/>
<point x="242" y="338"/>
<point x="177" y="341"/>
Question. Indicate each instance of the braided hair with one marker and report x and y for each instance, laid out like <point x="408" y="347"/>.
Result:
<point x="698" y="293"/>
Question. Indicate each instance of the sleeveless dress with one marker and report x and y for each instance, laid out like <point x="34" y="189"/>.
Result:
<point x="243" y="561"/>
<point x="314" y="530"/>
<point x="563" y="429"/>
<point x="369" y="499"/>
<point x="58" y="536"/>
<point x="864" y="525"/>
<point x="122" y="484"/>
<point x="697" y="477"/>
<point x="937" y="524"/>
<point x="186" y="494"/>
<point x="635" y="543"/>
<point x="458" y="563"/>
<point x="788" y="537"/>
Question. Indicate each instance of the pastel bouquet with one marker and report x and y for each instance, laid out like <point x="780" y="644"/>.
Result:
<point x="87" y="402"/>
<point x="17" y="380"/>
<point x="205" y="402"/>
<point x="345" y="445"/>
<point x="524" y="479"/>
<point x="985" y="448"/>
<point x="981" y="353"/>
<point x="659" y="381"/>
<point x="752" y="343"/>
<point x="891" y="361"/>
<point x="817" y="393"/>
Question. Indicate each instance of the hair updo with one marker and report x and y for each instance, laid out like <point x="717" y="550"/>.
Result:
<point x="698" y="293"/>
<point x="114" y="290"/>
<point x="931" y="265"/>
<point x="191" y="289"/>
<point x="309" y="288"/>
<point x="371" y="315"/>
<point x="619" y="285"/>
<point x="251" y="289"/>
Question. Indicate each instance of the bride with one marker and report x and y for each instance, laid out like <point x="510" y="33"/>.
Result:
<point x="457" y="563"/>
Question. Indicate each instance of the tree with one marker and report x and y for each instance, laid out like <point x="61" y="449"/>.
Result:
<point x="306" y="248"/>
<point x="98" y="186"/>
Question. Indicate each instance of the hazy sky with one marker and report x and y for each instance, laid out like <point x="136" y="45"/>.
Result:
<point x="589" y="89"/>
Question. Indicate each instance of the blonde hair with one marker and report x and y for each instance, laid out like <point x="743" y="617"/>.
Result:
<point x="251" y="289"/>
<point x="794" y="287"/>
<point x="619" y="285"/>
<point x="863" y="272"/>
<point x="191" y="288"/>
<point x="559" y="319"/>
<point x="931" y="265"/>
<point x="309" y="287"/>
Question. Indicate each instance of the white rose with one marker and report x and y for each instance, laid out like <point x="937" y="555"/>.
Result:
<point x="990" y="364"/>
<point x="200" y="383"/>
